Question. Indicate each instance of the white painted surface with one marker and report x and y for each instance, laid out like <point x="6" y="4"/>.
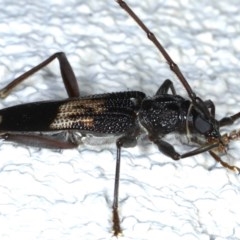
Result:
<point x="62" y="195"/>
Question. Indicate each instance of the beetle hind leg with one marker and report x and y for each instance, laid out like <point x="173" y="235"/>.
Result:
<point x="39" y="140"/>
<point x="67" y="74"/>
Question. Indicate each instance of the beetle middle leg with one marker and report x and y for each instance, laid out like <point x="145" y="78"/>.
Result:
<point x="164" y="88"/>
<point x="126" y="142"/>
<point x="67" y="74"/>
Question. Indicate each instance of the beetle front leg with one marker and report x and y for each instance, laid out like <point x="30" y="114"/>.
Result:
<point x="167" y="149"/>
<point x="229" y="120"/>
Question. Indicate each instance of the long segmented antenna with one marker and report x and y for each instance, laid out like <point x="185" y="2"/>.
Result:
<point x="172" y="65"/>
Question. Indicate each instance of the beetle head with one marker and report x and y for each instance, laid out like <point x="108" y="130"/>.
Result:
<point x="203" y="119"/>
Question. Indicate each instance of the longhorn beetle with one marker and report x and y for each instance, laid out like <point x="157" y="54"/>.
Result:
<point x="69" y="123"/>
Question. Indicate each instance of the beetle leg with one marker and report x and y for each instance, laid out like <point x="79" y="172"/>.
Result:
<point x="125" y="141"/>
<point x="164" y="88"/>
<point x="229" y="120"/>
<point x="38" y="141"/>
<point x="169" y="150"/>
<point x="166" y="148"/>
<point x="224" y="164"/>
<point x="210" y="105"/>
<point x="67" y="74"/>
<point x="116" y="220"/>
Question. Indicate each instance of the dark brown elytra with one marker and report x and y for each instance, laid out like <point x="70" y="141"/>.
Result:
<point x="124" y="115"/>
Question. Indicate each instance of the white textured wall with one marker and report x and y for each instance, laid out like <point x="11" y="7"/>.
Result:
<point x="62" y="195"/>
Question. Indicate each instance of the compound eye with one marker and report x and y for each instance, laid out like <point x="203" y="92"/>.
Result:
<point x="202" y="125"/>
